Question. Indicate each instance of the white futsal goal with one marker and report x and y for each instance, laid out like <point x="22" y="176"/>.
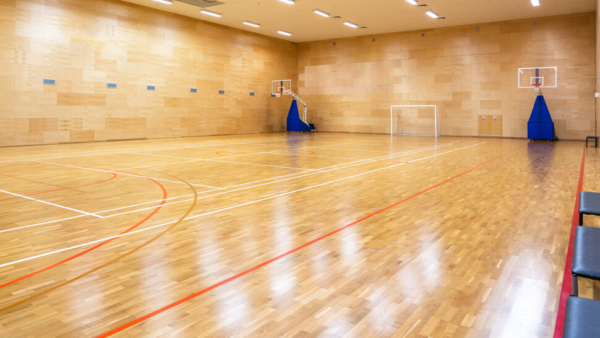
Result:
<point x="416" y="120"/>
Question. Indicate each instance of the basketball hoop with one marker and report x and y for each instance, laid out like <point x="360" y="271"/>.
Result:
<point x="278" y="94"/>
<point x="536" y="86"/>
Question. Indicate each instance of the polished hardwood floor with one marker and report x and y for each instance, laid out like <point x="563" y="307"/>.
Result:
<point x="287" y="235"/>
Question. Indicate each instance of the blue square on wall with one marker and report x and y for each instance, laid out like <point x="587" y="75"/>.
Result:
<point x="151" y="87"/>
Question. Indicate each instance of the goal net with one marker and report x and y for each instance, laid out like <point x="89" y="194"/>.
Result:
<point x="417" y="120"/>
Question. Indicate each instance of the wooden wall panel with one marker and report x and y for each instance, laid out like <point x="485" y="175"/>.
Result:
<point x="464" y="72"/>
<point x="84" y="44"/>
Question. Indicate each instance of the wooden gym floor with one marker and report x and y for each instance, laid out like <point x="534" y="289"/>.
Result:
<point x="287" y="235"/>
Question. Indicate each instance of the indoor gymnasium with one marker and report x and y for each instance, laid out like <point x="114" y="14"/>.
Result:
<point x="299" y="168"/>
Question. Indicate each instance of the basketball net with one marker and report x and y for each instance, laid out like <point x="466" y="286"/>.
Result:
<point x="536" y="86"/>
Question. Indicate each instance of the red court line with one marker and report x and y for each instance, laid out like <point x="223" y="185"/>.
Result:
<point x="97" y="245"/>
<point x="33" y="193"/>
<point x="567" y="283"/>
<point x="241" y="274"/>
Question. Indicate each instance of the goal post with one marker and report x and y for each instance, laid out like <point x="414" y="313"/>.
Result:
<point x="416" y="120"/>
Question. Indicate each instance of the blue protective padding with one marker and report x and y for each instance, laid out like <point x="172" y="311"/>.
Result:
<point x="293" y="120"/>
<point x="540" y="125"/>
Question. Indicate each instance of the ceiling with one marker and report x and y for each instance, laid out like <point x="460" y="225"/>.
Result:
<point x="379" y="16"/>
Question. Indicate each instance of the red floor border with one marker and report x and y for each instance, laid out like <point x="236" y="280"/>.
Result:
<point x="256" y="267"/>
<point x="567" y="283"/>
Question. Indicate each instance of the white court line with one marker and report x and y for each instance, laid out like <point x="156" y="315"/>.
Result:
<point x="157" y="165"/>
<point x="262" y="165"/>
<point x="370" y="151"/>
<point x="122" y="173"/>
<point x="192" y="159"/>
<point x="56" y="205"/>
<point x="347" y="165"/>
<point x="277" y="152"/>
<point x="118" y="151"/>
<point x="254" y="186"/>
<point x="212" y="160"/>
<point x="160" y="155"/>
<point x="394" y="155"/>
<point x="229" y="208"/>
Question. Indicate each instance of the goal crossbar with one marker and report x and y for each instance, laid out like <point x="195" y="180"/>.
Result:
<point x="435" y="116"/>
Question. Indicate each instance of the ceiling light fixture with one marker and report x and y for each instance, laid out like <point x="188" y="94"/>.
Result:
<point x="350" y="24"/>
<point x="284" y="33"/>
<point x="291" y="2"/>
<point x="251" y="24"/>
<point x="204" y="11"/>
<point x="432" y="14"/>
<point x="535" y="2"/>
<point x="412" y="2"/>
<point x="166" y="2"/>
<point x="321" y="13"/>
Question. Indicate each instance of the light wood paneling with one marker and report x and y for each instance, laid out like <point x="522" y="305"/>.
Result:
<point x="465" y="72"/>
<point x="85" y="44"/>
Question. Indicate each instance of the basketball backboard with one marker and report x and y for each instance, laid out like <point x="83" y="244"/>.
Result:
<point x="281" y="87"/>
<point x="538" y="77"/>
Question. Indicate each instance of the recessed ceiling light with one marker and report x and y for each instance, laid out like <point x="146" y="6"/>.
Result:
<point x="166" y="2"/>
<point x="412" y="2"/>
<point x="321" y="13"/>
<point x="432" y="14"/>
<point x="535" y="2"/>
<point x="251" y="24"/>
<point x="291" y="2"/>
<point x="204" y="11"/>
<point x="350" y="24"/>
<point x="284" y="33"/>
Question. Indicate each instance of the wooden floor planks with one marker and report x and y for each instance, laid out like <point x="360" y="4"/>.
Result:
<point x="289" y="235"/>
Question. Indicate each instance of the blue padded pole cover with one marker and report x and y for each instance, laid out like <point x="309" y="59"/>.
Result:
<point x="293" y="120"/>
<point x="540" y="125"/>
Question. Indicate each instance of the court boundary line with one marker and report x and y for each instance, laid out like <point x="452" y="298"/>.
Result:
<point x="120" y="151"/>
<point x="123" y="173"/>
<point x="36" y="272"/>
<point x="276" y="258"/>
<point x="344" y="166"/>
<point x="88" y="272"/>
<point x="231" y="207"/>
<point x="52" y="204"/>
<point x="301" y="175"/>
<point x="262" y="165"/>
